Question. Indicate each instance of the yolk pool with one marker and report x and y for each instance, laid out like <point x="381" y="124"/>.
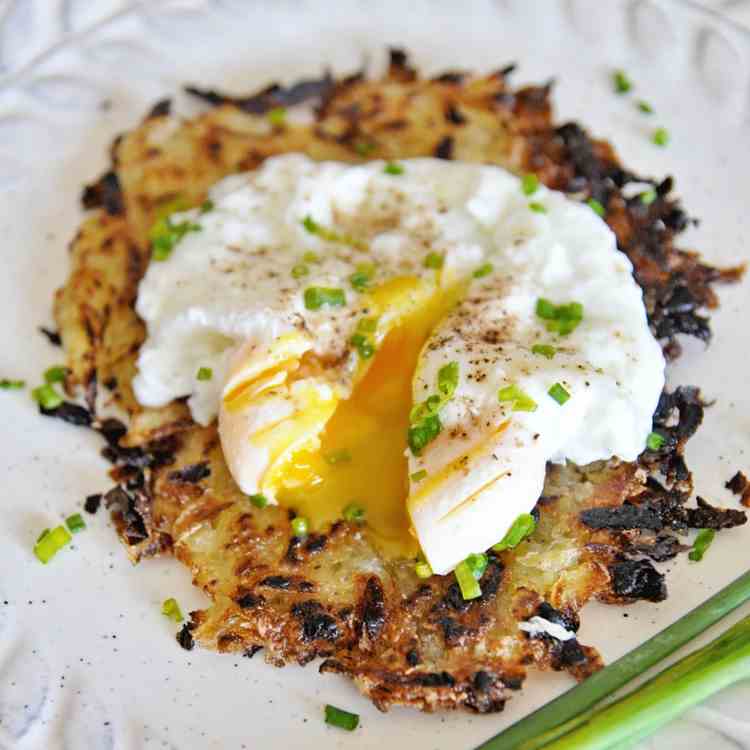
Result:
<point x="362" y="454"/>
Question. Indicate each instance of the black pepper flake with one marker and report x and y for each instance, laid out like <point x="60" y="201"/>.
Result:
<point x="185" y="637"/>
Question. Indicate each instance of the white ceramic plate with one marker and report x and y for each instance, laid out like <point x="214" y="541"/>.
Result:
<point x="86" y="658"/>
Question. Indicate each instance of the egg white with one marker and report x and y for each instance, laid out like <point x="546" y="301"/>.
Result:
<point x="231" y="297"/>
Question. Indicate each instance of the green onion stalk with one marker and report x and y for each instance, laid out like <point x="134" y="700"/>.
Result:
<point x="572" y="709"/>
<point x="721" y="663"/>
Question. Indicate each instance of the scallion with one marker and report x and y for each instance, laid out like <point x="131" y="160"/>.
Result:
<point x="484" y="270"/>
<point x="467" y="581"/>
<point x="647" y="197"/>
<point x="319" y="296"/>
<point x="55" y="374"/>
<point x="434" y="260"/>
<point x="621" y="82"/>
<point x="47" y="397"/>
<point x="522" y="527"/>
<point x="362" y="277"/>
<point x="422" y="569"/>
<point x="418" y="476"/>
<point x="644" y="107"/>
<point x="165" y="235"/>
<point x="660" y="137"/>
<point x="544" y="350"/>
<point x="558" y="393"/>
<point x="562" y="319"/>
<point x="701" y="543"/>
<point x="537" y="207"/>
<point x="529" y="184"/>
<point x="364" y="148"/>
<point x="655" y="441"/>
<point x="337" y="717"/>
<point x="573" y="708"/>
<point x="299" y="270"/>
<point x="258" y="500"/>
<point x="596" y="207"/>
<point x="75" y="523"/>
<point x="11" y="385"/>
<point x="354" y="513"/>
<point x="520" y="401"/>
<point x="365" y="348"/>
<point x="204" y="373"/>
<point x="171" y="609"/>
<point x="299" y="526"/>
<point x="423" y="433"/>
<point x="393" y="168"/>
<point x="276" y="116"/>
<point x="51" y="543"/>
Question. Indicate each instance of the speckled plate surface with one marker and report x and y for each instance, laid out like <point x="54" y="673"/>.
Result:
<point x="86" y="658"/>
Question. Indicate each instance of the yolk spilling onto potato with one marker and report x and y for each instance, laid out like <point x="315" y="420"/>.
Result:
<point x="362" y="455"/>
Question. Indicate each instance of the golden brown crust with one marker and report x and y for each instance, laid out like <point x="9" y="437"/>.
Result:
<point x="333" y="595"/>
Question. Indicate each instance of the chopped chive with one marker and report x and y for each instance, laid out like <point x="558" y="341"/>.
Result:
<point x="365" y="348"/>
<point x="467" y="581"/>
<point x="484" y="270"/>
<point x="424" y="433"/>
<point x="364" y="148"/>
<point x="558" y="393"/>
<point x="544" y="350"/>
<point x="393" y="168"/>
<point x="299" y="270"/>
<point x="337" y="717"/>
<point x="75" y="523"/>
<point x="51" y="543"/>
<point x="55" y="374"/>
<point x="477" y="563"/>
<point x="647" y="197"/>
<point x="276" y="116"/>
<point x="204" y="373"/>
<point x="520" y="400"/>
<point x="418" y="476"/>
<point x="311" y="225"/>
<point x="354" y="513"/>
<point x="660" y="137"/>
<point x="621" y="82"/>
<point x="538" y="208"/>
<point x="701" y="544"/>
<point x="164" y="236"/>
<point x="47" y="397"/>
<point x="529" y="184"/>
<point x="42" y="535"/>
<point x="522" y="527"/>
<point x="422" y="569"/>
<point x="367" y="325"/>
<point x="596" y="207"/>
<point x="299" y="526"/>
<point x="655" y="441"/>
<point x="11" y="385"/>
<point x="546" y="309"/>
<point x="644" y="107"/>
<point x="448" y="379"/>
<point x="311" y="257"/>
<point x="562" y="319"/>
<point x="259" y="500"/>
<point x="338" y="457"/>
<point x="207" y="205"/>
<point x="318" y="296"/>
<point x="362" y="277"/>
<point x="434" y="260"/>
<point x="329" y="235"/>
<point x="171" y="609"/>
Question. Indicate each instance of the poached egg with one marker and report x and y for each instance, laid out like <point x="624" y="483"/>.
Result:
<point x="415" y="340"/>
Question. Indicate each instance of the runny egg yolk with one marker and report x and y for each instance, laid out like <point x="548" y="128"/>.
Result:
<point x="362" y="459"/>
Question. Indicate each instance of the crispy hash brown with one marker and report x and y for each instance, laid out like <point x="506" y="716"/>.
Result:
<point x="402" y="639"/>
